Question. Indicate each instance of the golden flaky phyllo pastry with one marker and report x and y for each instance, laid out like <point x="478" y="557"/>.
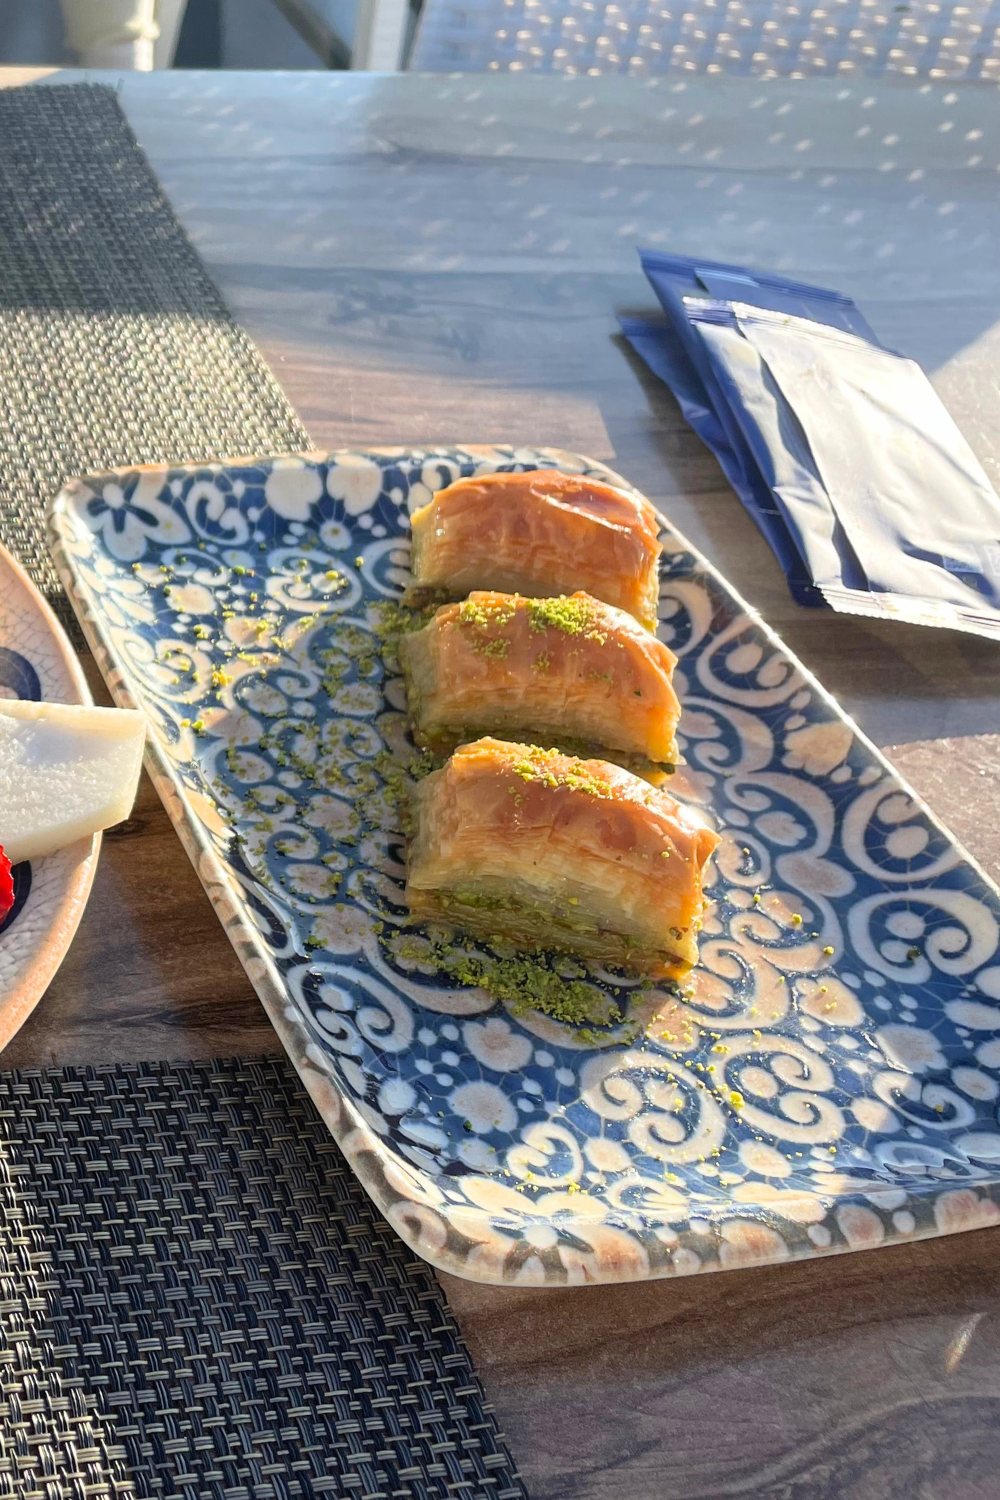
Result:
<point x="528" y="846"/>
<point x="569" y="671"/>
<point x="538" y="532"/>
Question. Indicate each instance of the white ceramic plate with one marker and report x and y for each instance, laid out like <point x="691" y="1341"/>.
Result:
<point x="37" y="661"/>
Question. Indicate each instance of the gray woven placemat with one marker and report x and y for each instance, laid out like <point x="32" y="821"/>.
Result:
<point x="197" y="1299"/>
<point x="115" y="345"/>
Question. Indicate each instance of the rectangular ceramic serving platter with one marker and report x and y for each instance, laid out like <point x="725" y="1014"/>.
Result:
<point x="828" y="1081"/>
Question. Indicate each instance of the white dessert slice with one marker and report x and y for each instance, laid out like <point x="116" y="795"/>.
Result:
<point x="66" y="770"/>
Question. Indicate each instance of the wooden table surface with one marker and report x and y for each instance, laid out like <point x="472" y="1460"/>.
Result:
<point x="426" y="259"/>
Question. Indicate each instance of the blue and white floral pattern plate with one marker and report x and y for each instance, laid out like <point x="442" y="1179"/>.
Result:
<point x="828" y="1081"/>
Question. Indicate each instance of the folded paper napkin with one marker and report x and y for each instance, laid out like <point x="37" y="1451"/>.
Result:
<point x="841" y="449"/>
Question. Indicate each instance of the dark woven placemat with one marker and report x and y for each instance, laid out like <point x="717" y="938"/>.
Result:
<point x="115" y="345"/>
<point x="197" y="1299"/>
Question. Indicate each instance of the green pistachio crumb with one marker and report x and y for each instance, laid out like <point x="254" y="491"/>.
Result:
<point x="571" y="616"/>
<point x="538" y="765"/>
<point x="498" y="647"/>
<point x="486" y="612"/>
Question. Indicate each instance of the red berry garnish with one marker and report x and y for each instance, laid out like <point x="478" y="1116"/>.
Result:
<point x="6" y="886"/>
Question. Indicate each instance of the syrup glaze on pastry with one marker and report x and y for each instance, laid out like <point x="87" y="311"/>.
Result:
<point x="537" y="532"/>
<point x="571" y="671"/>
<point x="519" y="845"/>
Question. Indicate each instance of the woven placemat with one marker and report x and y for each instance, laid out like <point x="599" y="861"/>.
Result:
<point x="115" y="345"/>
<point x="197" y="1299"/>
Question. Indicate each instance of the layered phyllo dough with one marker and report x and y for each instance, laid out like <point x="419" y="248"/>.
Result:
<point x="530" y="847"/>
<point x="538" y="532"/>
<point x="569" y="671"/>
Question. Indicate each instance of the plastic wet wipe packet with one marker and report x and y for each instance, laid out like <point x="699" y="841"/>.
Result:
<point x="867" y="492"/>
<point x="715" y="424"/>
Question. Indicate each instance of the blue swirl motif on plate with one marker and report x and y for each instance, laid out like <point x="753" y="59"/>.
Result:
<point x="831" y="1078"/>
<point x="20" y="678"/>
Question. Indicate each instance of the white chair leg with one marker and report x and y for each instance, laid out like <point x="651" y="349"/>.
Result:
<point x="169" y="15"/>
<point x="378" y="35"/>
<point x="111" y="33"/>
<point x="133" y="57"/>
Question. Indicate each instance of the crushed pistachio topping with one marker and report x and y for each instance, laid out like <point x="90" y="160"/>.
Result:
<point x="486" y="615"/>
<point x="523" y="983"/>
<point x="486" y="612"/>
<point x="497" y="647"/>
<point x="555" y="770"/>
<point x="571" y="616"/>
<point x="390" y="622"/>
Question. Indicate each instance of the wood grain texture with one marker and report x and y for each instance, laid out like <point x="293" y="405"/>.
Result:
<point x="864" y="1377"/>
<point x="150" y="974"/>
<point x="431" y="259"/>
<point x="424" y="259"/>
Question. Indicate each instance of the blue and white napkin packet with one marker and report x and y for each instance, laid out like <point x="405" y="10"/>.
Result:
<point x="870" y="497"/>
